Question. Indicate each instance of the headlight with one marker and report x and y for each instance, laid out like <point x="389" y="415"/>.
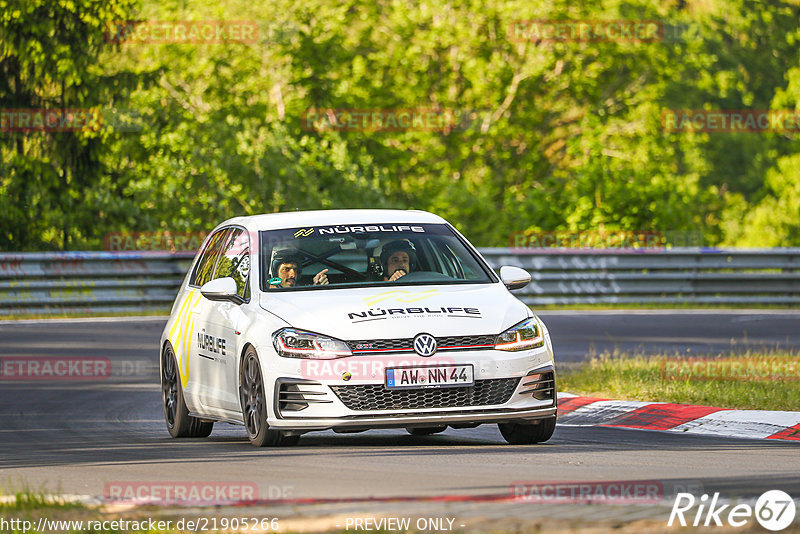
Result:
<point x="291" y="343"/>
<point x="523" y="336"/>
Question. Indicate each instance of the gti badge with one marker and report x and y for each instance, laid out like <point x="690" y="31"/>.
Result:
<point x="425" y="345"/>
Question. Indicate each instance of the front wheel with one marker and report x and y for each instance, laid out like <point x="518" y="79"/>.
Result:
<point x="254" y="406"/>
<point x="527" y="433"/>
<point x="179" y="423"/>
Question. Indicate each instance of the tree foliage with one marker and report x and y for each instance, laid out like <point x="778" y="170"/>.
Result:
<point x="550" y="134"/>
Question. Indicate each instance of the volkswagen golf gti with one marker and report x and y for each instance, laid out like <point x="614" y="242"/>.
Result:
<point x="351" y="320"/>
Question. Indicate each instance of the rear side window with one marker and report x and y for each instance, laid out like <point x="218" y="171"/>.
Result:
<point x="235" y="260"/>
<point x="205" y="265"/>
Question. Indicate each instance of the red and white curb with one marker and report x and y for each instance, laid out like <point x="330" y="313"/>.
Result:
<point x="680" y="418"/>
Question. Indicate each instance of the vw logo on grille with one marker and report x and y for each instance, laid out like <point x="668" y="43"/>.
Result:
<point x="425" y="345"/>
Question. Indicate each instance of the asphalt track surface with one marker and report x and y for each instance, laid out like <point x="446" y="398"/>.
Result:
<point x="76" y="437"/>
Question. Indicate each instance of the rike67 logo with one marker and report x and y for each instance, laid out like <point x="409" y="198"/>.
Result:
<point x="774" y="510"/>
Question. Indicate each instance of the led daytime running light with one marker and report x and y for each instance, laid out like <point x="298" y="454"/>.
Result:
<point x="318" y="349"/>
<point x="519" y="343"/>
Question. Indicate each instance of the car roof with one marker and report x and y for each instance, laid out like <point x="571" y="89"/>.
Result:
<point x="294" y="219"/>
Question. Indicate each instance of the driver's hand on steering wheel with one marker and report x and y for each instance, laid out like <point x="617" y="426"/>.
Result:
<point x="399" y="273"/>
<point x="321" y="278"/>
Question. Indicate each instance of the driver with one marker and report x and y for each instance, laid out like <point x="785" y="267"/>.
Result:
<point x="398" y="258"/>
<point x="287" y="266"/>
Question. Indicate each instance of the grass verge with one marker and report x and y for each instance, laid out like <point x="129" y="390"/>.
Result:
<point x="26" y="499"/>
<point x="768" y="380"/>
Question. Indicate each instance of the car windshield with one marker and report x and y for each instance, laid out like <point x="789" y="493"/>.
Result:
<point x="320" y="257"/>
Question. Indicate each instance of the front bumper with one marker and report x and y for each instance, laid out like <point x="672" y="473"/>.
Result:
<point x="306" y="401"/>
<point x="418" y="419"/>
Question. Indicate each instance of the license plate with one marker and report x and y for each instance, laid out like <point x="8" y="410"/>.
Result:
<point x="439" y="376"/>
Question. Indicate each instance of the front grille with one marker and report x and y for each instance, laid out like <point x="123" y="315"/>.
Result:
<point x="372" y="346"/>
<point x="376" y="397"/>
<point x="465" y="341"/>
<point x="369" y="345"/>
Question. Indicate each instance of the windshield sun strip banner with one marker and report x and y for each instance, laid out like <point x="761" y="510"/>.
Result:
<point x="356" y="230"/>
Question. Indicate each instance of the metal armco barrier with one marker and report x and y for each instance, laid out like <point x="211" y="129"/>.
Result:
<point x="106" y="282"/>
<point x="93" y="282"/>
<point x="680" y="275"/>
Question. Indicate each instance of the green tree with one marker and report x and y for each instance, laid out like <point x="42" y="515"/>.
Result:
<point x="550" y="134"/>
<point x="773" y="221"/>
<point x="51" y="181"/>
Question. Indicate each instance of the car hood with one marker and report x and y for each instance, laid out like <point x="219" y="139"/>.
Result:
<point x="383" y="313"/>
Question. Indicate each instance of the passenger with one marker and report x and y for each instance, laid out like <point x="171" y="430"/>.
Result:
<point x="398" y="258"/>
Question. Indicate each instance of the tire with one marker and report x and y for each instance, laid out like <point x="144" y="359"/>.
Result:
<point x="254" y="405"/>
<point x="179" y="423"/>
<point x="528" y="434"/>
<point x="426" y="431"/>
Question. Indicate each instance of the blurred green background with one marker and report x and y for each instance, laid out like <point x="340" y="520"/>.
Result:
<point x="555" y="134"/>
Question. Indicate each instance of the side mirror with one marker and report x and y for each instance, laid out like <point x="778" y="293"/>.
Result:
<point x="221" y="289"/>
<point x="514" y="277"/>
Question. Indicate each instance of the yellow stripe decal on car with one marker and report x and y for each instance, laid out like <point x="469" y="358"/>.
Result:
<point x="187" y="340"/>
<point x="180" y="333"/>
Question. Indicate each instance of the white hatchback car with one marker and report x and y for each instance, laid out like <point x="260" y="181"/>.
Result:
<point x="352" y="320"/>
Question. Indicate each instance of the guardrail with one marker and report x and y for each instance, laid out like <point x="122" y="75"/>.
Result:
<point x="633" y="276"/>
<point x="90" y="282"/>
<point x="110" y="282"/>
